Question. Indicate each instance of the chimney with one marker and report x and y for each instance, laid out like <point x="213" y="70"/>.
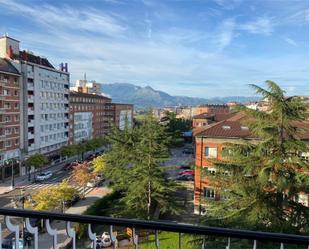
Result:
<point x="10" y="52"/>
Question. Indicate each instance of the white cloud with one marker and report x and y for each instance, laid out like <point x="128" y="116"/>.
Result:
<point x="68" y="18"/>
<point x="262" y="25"/>
<point x="290" y="41"/>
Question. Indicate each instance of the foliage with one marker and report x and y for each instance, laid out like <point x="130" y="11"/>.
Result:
<point x="265" y="177"/>
<point x="51" y="198"/>
<point x="175" y="127"/>
<point x="135" y="166"/>
<point x="81" y="175"/>
<point x="37" y="161"/>
<point x="68" y="150"/>
<point x="99" y="164"/>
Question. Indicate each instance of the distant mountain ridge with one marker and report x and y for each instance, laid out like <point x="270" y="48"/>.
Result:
<point x="144" y="97"/>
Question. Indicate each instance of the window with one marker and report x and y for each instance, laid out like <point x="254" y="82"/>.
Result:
<point x="8" y="143"/>
<point x="16" y="141"/>
<point x="6" y="92"/>
<point x="15" y="93"/>
<point x="8" y="131"/>
<point x="209" y="193"/>
<point x="7" y="105"/>
<point x="16" y="118"/>
<point x="210" y="152"/>
<point x="7" y="118"/>
<point x="16" y="106"/>
<point x="16" y="130"/>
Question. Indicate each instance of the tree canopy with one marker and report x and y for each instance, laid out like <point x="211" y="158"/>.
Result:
<point x="135" y="166"/>
<point x="265" y="177"/>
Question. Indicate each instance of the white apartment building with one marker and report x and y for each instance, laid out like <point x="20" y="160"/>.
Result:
<point x="44" y="100"/>
<point x="91" y="87"/>
<point x="82" y="126"/>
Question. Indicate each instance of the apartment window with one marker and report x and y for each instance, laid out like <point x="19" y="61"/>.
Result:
<point x="7" y="105"/>
<point x="7" y="118"/>
<point x="16" y="118"/>
<point x="16" y="130"/>
<point x="30" y="80"/>
<point x="15" y="80"/>
<point x="8" y="143"/>
<point x="6" y="92"/>
<point x="15" y="93"/>
<point x="16" y="106"/>
<point x="16" y="141"/>
<point x="210" y="152"/>
<point x="209" y="193"/>
<point x="8" y="131"/>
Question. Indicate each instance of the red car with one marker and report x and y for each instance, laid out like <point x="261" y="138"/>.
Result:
<point x="186" y="172"/>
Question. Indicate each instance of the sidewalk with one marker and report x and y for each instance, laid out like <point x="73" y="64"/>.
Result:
<point x="45" y="240"/>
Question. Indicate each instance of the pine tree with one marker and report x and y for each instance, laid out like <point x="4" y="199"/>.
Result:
<point x="265" y="177"/>
<point x="135" y="164"/>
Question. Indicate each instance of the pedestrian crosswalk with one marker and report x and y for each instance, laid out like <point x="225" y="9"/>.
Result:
<point x="33" y="187"/>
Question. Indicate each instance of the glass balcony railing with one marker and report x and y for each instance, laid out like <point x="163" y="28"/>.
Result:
<point x="18" y="221"/>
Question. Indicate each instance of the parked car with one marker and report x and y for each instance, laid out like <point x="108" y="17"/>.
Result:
<point x="90" y="157"/>
<point x="43" y="176"/>
<point x="185" y="177"/>
<point x="186" y="171"/>
<point x="185" y="166"/>
<point x="70" y="203"/>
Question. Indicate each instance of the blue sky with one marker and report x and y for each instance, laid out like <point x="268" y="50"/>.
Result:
<point x="202" y="48"/>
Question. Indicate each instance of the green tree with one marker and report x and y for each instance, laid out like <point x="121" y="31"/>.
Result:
<point x="135" y="165"/>
<point x="37" y="161"/>
<point x="51" y="198"/>
<point x="68" y="150"/>
<point x="265" y="178"/>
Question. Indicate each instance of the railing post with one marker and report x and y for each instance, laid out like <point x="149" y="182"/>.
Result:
<point x="228" y="243"/>
<point x="71" y="233"/>
<point x="52" y="232"/>
<point x="135" y="238"/>
<point x="92" y="236"/>
<point x="281" y="246"/>
<point x="13" y="228"/>
<point x="254" y="244"/>
<point x="179" y="240"/>
<point x="34" y="231"/>
<point x="157" y="239"/>
<point x="204" y="243"/>
<point x="113" y="238"/>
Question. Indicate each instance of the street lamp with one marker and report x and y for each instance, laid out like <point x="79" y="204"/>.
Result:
<point x="12" y="162"/>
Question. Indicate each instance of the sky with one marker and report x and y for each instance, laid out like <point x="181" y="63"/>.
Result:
<point x="200" y="48"/>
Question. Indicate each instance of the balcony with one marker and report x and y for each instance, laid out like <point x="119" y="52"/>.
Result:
<point x="30" y="110"/>
<point x="30" y="98"/>
<point x="30" y="86"/>
<point x="229" y="237"/>
<point x="30" y="123"/>
<point x="30" y="135"/>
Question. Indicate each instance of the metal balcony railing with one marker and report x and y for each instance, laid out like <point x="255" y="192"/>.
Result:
<point x="229" y="234"/>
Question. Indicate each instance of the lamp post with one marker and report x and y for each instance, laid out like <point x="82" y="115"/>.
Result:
<point x="11" y="163"/>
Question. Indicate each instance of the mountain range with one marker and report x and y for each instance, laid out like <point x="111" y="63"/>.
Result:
<point x="144" y="97"/>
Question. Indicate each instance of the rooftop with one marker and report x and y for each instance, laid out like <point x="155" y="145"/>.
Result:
<point x="7" y="67"/>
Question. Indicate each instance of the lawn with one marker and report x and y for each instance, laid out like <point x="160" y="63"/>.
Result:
<point x="168" y="240"/>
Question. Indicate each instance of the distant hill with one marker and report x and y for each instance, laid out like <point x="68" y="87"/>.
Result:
<point x="143" y="97"/>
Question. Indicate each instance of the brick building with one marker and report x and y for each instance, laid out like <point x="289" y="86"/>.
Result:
<point x="10" y="121"/>
<point x="123" y="113"/>
<point x="209" y="145"/>
<point x="91" y="116"/>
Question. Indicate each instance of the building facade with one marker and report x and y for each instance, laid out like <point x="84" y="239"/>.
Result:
<point x="99" y="111"/>
<point x="123" y="115"/>
<point x="44" y="100"/>
<point x="10" y="121"/>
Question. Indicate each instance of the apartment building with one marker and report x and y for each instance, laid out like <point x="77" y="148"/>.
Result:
<point x="91" y="116"/>
<point x="210" y="144"/>
<point x="44" y="99"/>
<point x="10" y="122"/>
<point x="87" y="87"/>
<point x="123" y="115"/>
